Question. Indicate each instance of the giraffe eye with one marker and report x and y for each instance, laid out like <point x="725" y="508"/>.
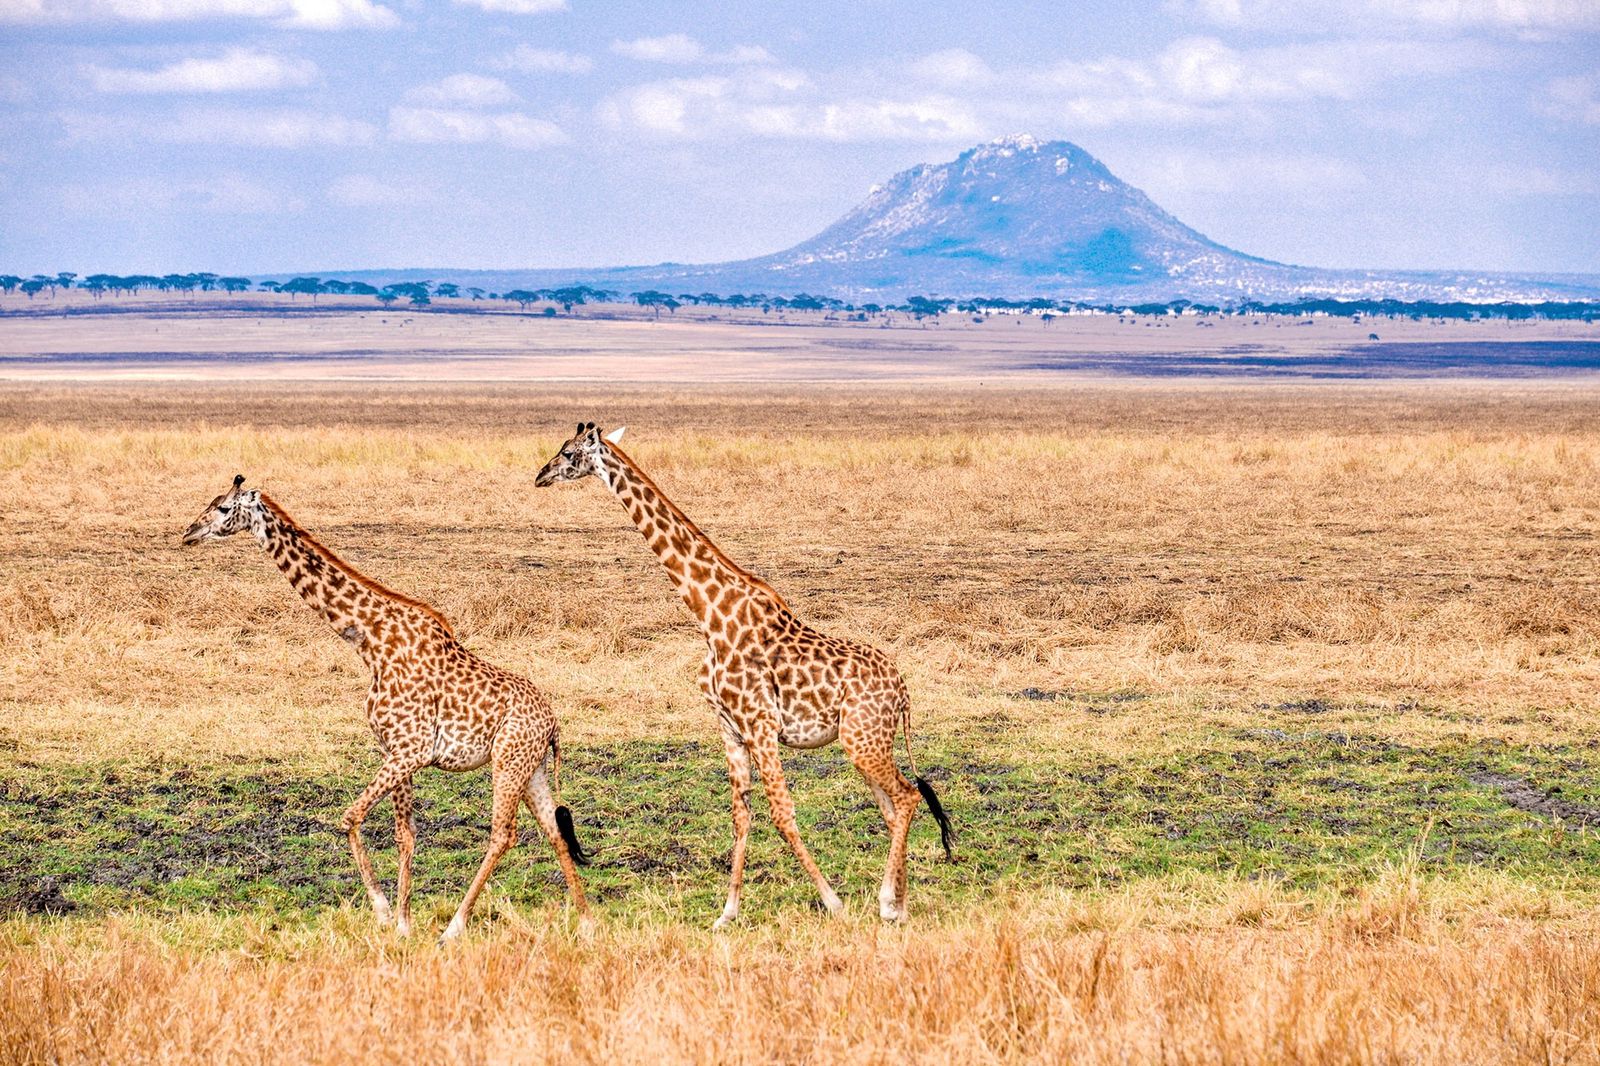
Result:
<point x="225" y="510"/>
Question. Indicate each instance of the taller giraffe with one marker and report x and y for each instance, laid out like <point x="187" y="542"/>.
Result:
<point x="771" y="678"/>
<point x="431" y="703"/>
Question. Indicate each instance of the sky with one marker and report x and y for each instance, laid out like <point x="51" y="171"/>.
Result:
<point x="268" y="136"/>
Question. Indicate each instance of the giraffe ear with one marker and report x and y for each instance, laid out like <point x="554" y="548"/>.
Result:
<point x="579" y="431"/>
<point x="615" y="435"/>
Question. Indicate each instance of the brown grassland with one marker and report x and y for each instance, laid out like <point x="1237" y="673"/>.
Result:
<point x="1265" y="712"/>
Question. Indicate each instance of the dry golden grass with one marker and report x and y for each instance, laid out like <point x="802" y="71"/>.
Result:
<point x="1251" y="977"/>
<point x="1214" y="548"/>
<point x="1422" y="558"/>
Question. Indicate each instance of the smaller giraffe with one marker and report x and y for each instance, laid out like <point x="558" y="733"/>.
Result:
<point x="431" y="703"/>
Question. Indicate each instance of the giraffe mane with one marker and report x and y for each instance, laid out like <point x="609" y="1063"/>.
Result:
<point x="366" y="582"/>
<point x="677" y="511"/>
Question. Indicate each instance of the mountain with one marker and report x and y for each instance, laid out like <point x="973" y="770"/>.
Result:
<point x="1014" y="216"/>
<point x="1018" y="217"/>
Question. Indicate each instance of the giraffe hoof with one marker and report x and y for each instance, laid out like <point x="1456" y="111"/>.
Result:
<point x="730" y="911"/>
<point x="381" y="909"/>
<point x="834" y="905"/>
<point x="451" y="931"/>
<point x="402" y="928"/>
<point x="890" y="913"/>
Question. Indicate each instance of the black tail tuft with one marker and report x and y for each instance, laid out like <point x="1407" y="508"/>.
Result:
<point x="570" y="836"/>
<point x="936" y="809"/>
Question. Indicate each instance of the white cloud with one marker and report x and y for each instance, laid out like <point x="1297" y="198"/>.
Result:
<point x="337" y="14"/>
<point x="295" y="14"/>
<point x="1574" y="99"/>
<point x="935" y="118"/>
<point x="14" y="90"/>
<point x="1532" y="180"/>
<point x="236" y="70"/>
<point x="1537" y="16"/>
<point x="673" y="48"/>
<point x="952" y="67"/>
<point x="953" y="95"/>
<point x="464" y="90"/>
<point x="1217" y="174"/>
<point x="364" y="190"/>
<point x="532" y="60"/>
<point x="248" y="127"/>
<point x="1201" y="79"/>
<point x="426" y="125"/>
<point x="782" y="104"/>
<point x="224" y="194"/>
<point x="517" y="7"/>
<point x="681" y="48"/>
<point x="740" y="54"/>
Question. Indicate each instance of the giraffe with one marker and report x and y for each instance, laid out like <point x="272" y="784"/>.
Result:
<point x="770" y="678"/>
<point x="431" y="703"/>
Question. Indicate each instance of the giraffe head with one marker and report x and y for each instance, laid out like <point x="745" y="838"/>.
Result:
<point x="226" y="515"/>
<point x="579" y="457"/>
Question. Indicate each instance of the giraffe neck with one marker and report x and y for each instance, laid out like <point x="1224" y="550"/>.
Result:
<point x="354" y="605"/>
<point x="710" y="584"/>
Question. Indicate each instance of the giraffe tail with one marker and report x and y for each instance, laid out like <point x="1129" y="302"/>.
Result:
<point x="569" y="836"/>
<point x="925" y="787"/>
<point x="569" y="832"/>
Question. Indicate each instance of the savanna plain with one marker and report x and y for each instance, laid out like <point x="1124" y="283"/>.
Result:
<point x="1264" y="712"/>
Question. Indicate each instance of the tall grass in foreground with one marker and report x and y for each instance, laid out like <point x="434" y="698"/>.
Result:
<point x="1384" y="980"/>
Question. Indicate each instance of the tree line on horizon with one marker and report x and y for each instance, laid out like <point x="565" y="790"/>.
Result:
<point x="422" y="293"/>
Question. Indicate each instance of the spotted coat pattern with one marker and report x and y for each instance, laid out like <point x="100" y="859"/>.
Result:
<point x="770" y="678"/>
<point x="431" y="702"/>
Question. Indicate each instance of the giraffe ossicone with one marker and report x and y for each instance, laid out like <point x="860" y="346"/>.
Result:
<point x="431" y="703"/>
<point x="770" y="678"/>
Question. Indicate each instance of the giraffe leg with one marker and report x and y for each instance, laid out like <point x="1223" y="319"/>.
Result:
<point x="764" y="747"/>
<point x="405" y="839"/>
<point x="511" y="775"/>
<point x="739" y="782"/>
<point x="902" y="799"/>
<point x="881" y="798"/>
<point x="542" y="802"/>
<point x="897" y="800"/>
<point x="390" y="776"/>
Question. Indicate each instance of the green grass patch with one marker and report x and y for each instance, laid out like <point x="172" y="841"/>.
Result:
<point x="1307" y="809"/>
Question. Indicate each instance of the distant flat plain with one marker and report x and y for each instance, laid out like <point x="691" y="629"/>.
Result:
<point x="268" y="337"/>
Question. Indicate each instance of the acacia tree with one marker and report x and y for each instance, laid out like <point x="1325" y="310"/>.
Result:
<point x="415" y="291"/>
<point x="297" y="286"/>
<point x="656" y="300"/>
